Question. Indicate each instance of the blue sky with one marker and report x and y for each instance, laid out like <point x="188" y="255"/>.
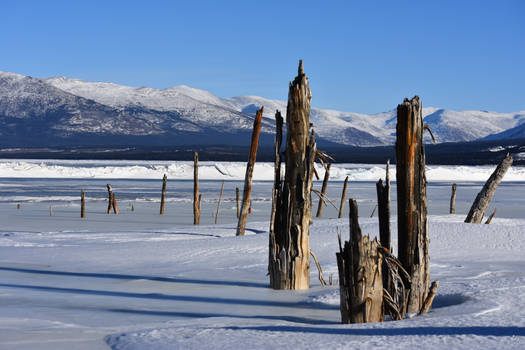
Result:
<point x="361" y="56"/>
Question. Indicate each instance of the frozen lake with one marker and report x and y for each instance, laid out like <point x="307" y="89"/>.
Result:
<point x="37" y="195"/>
<point x="139" y="280"/>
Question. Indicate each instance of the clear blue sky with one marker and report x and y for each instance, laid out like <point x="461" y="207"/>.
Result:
<point x="361" y="56"/>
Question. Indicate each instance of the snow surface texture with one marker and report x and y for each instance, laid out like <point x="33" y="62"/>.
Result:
<point x="99" y="107"/>
<point x="143" y="281"/>
<point x="183" y="170"/>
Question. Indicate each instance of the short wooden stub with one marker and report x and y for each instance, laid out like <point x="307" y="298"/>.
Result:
<point x="343" y="199"/>
<point x="453" y="200"/>
<point x="482" y="201"/>
<point x="412" y="224"/>
<point x="323" y="191"/>
<point x="360" y="275"/>
<point x="82" y="204"/>
<point x="163" y="194"/>
<point x="289" y="253"/>
<point x="243" y="216"/>
<point x="196" y="203"/>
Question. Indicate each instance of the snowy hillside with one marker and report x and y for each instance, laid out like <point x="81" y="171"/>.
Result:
<point x="58" y="111"/>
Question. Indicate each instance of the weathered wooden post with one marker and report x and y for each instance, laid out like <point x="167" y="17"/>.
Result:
<point x="383" y="212"/>
<point x="453" y="200"/>
<point x="481" y="203"/>
<point x="277" y="167"/>
<point x="491" y="217"/>
<point x="196" y="202"/>
<point x="289" y="260"/>
<point x="412" y="225"/>
<point x="112" y="201"/>
<point x="163" y="194"/>
<point x="383" y="215"/>
<point x="343" y="198"/>
<point x="50" y="211"/>
<point x="219" y="204"/>
<point x="360" y="275"/>
<point x="82" y="204"/>
<point x="110" y="198"/>
<point x="323" y="190"/>
<point x="241" y="226"/>
<point x="237" y="201"/>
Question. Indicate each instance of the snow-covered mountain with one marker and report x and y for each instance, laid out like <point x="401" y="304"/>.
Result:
<point x="60" y="110"/>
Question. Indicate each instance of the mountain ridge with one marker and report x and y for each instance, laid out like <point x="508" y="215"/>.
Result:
<point x="65" y="110"/>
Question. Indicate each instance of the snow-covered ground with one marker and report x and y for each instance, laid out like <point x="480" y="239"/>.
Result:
<point x="144" y="281"/>
<point x="183" y="170"/>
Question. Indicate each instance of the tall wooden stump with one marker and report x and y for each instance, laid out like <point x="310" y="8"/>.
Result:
<point x="412" y="225"/>
<point x="453" y="200"/>
<point x="360" y="275"/>
<point x="289" y="260"/>
<point x="323" y="190"/>
<point x="82" y="205"/>
<point x="163" y="194"/>
<point x="241" y="226"/>
<point x="343" y="197"/>
<point x="196" y="197"/>
<point x="481" y="203"/>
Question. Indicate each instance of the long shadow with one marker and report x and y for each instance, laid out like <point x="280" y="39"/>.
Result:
<point x="137" y="277"/>
<point x="158" y="296"/>
<point x="496" y="331"/>
<point x="208" y="315"/>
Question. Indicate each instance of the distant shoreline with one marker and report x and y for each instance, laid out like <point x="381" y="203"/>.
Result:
<point x="462" y="153"/>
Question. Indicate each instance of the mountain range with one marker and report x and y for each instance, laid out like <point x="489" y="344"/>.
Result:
<point x="69" y="112"/>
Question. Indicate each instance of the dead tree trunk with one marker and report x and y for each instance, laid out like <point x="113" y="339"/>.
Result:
<point x="241" y="226"/>
<point x="343" y="198"/>
<point x="163" y="194"/>
<point x="82" y="205"/>
<point x="453" y="199"/>
<point x="219" y="204"/>
<point x="277" y="166"/>
<point x="360" y="275"/>
<point x="491" y="217"/>
<point x="196" y="203"/>
<point x="323" y="190"/>
<point x="412" y="225"/>
<point x="289" y="261"/>
<point x="480" y="205"/>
